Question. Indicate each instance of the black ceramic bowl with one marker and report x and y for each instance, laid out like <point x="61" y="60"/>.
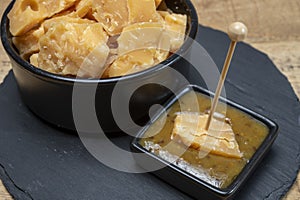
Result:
<point x="49" y="96"/>
<point x="189" y="183"/>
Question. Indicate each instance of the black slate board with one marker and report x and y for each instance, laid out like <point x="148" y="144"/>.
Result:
<point x="40" y="162"/>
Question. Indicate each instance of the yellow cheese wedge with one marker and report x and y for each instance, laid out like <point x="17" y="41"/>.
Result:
<point x="28" y="14"/>
<point x="175" y="25"/>
<point x="67" y="19"/>
<point x="142" y="36"/>
<point x="83" y="7"/>
<point x="136" y="61"/>
<point x="71" y="48"/>
<point x="34" y="59"/>
<point x="157" y="2"/>
<point x="29" y="43"/>
<point x="142" y="11"/>
<point x="112" y="14"/>
<point x="189" y="128"/>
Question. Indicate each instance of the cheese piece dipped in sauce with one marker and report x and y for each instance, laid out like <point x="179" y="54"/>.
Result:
<point x="216" y="168"/>
<point x="189" y="128"/>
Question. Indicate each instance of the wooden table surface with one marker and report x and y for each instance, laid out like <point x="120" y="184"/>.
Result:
<point x="274" y="28"/>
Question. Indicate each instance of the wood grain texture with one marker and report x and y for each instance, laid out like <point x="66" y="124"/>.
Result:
<point x="274" y="28"/>
<point x="272" y="20"/>
<point x="4" y="195"/>
<point x="5" y="66"/>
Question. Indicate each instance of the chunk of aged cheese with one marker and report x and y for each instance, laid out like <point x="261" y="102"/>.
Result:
<point x="142" y="11"/>
<point x="175" y="25"/>
<point x="28" y="14"/>
<point x="71" y="48"/>
<point x="67" y="36"/>
<point x="83" y="7"/>
<point x="70" y="18"/>
<point x="34" y="59"/>
<point x="29" y="43"/>
<point x="112" y="14"/>
<point x="142" y="36"/>
<point x="136" y="61"/>
<point x="189" y="128"/>
<point x="157" y="2"/>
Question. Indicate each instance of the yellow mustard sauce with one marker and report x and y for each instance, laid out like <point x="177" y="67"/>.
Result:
<point x="217" y="170"/>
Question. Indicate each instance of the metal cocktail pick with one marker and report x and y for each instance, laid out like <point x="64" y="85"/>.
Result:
<point x="237" y="32"/>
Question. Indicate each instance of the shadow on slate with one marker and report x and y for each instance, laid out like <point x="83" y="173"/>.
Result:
<point x="40" y="162"/>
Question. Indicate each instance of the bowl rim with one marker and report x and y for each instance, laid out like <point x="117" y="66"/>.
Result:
<point x="248" y="169"/>
<point x="192" y="32"/>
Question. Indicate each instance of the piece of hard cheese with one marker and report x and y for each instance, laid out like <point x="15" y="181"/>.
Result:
<point x="34" y="59"/>
<point x="175" y="25"/>
<point x="29" y="43"/>
<point x="112" y="14"/>
<point x="142" y="11"/>
<point x="189" y="128"/>
<point x="142" y="36"/>
<point x="157" y="2"/>
<point x="136" y="61"/>
<point x="83" y="7"/>
<point x="28" y="14"/>
<point x="73" y="47"/>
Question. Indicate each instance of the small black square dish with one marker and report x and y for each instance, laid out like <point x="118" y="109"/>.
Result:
<point x="204" y="173"/>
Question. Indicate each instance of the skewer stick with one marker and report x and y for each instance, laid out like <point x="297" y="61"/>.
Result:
<point x="237" y="32"/>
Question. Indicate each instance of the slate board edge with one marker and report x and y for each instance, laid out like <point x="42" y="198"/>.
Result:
<point x="17" y="192"/>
